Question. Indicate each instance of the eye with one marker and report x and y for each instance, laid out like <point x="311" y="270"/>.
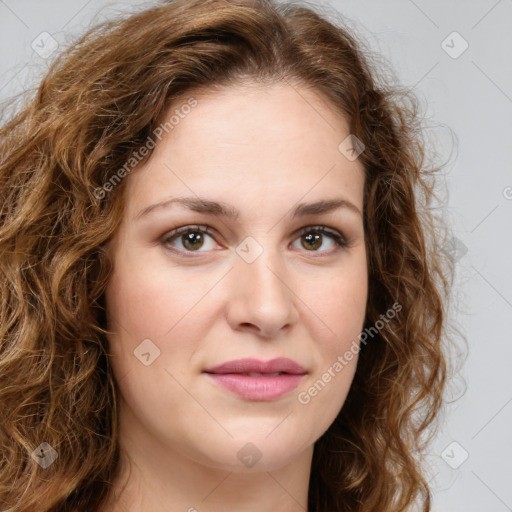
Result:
<point x="313" y="237"/>
<point x="193" y="238"/>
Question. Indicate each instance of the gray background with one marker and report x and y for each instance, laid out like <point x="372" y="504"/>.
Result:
<point x="467" y="100"/>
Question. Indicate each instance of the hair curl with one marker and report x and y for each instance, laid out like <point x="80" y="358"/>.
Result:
<point x="101" y="99"/>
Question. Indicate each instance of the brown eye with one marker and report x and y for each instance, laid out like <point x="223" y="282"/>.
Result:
<point x="312" y="240"/>
<point x="188" y="239"/>
<point x="192" y="240"/>
<point x="313" y="237"/>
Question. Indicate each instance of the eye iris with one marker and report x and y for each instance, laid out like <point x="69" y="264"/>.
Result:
<point x="190" y="238"/>
<point x="315" y="238"/>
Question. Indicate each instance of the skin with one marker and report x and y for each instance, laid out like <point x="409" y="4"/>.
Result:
<point x="262" y="149"/>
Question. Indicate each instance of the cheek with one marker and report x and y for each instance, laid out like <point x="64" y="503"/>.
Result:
<point x="148" y="303"/>
<point x="341" y="322"/>
<point x="339" y="306"/>
<point x="161" y="306"/>
<point x="144" y="310"/>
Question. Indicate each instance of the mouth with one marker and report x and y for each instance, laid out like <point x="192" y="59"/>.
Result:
<point x="255" y="380"/>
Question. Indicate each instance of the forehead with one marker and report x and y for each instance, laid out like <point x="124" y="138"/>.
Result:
<point x="262" y="142"/>
<point x="250" y="111"/>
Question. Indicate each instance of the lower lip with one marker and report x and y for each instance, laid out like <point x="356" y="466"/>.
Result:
<point x="259" y="388"/>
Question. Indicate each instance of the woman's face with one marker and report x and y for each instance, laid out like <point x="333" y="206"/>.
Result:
<point x="249" y="164"/>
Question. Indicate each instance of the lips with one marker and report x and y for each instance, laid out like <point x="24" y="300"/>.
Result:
<point x="280" y="365"/>
<point x="256" y="380"/>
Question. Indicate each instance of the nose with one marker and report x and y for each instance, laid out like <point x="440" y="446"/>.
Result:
<point x="261" y="296"/>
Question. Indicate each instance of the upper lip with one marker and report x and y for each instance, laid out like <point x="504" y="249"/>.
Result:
<point x="249" y="365"/>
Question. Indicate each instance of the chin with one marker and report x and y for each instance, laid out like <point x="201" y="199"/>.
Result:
<point x="246" y="456"/>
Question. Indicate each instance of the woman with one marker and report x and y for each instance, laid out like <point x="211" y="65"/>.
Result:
<point x="220" y="288"/>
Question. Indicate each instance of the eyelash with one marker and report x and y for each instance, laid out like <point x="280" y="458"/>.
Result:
<point x="341" y="243"/>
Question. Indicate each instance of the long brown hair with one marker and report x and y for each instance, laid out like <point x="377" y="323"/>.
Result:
<point x="100" y="100"/>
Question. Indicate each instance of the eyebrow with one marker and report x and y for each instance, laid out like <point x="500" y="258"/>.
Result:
<point x="221" y="209"/>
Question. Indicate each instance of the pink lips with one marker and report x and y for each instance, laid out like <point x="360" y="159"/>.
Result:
<point x="258" y="380"/>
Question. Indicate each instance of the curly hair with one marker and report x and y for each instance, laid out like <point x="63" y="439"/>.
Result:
<point x="100" y="99"/>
